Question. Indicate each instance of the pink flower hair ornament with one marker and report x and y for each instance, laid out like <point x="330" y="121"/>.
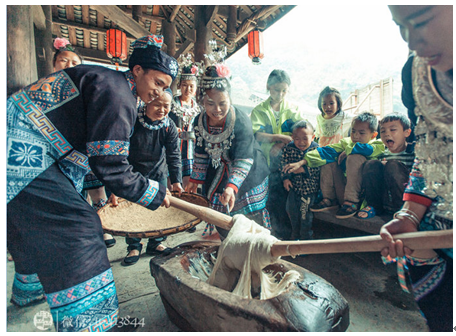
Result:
<point x="194" y="70"/>
<point x="62" y="43"/>
<point x="223" y="70"/>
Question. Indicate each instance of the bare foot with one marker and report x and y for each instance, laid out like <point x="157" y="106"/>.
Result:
<point x="133" y="253"/>
<point x="160" y="247"/>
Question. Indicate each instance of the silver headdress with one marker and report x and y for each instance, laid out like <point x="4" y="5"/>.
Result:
<point x="217" y="73"/>
<point x="189" y="70"/>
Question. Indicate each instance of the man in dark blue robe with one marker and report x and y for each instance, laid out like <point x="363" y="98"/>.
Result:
<point x="57" y="128"/>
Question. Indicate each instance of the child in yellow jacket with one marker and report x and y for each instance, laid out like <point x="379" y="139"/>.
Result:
<point x="337" y="187"/>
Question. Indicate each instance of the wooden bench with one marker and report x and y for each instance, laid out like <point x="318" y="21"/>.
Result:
<point x="371" y="225"/>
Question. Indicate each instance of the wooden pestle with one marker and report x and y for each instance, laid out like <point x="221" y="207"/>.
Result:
<point x="204" y="213"/>
<point x="422" y="240"/>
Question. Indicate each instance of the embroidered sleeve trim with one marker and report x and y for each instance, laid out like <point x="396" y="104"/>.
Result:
<point x="238" y="172"/>
<point x="150" y="193"/>
<point x="200" y="165"/>
<point x="107" y="147"/>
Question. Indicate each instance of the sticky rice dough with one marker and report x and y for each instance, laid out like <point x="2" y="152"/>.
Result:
<point x="247" y="250"/>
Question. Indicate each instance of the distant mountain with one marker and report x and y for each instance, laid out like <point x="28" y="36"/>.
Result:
<point x="310" y="75"/>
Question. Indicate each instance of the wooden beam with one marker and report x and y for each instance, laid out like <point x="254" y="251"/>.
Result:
<point x="144" y="16"/>
<point x="185" y="48"/>
<point x="87" y="29"/>
<point x="101" y="41"/>
<point x="153" y="24"/>
<point x="39" y="19"/>
<point x="250" y="23"/>
<point x="69" y="12"/>
<point x="174" y="12"/>
<point x="165" y="13"/>
<point x="93" y="29"/>
<point x="211" y="12"/>
<point x="85" y="14"/>
<point x="117" y="15"/>
<point x="247" y="10"/>
<point x="72" y="36"/>
<point x="94" y="55"/>
<point x="137" y="13"/>
<point x="100" y="19"/>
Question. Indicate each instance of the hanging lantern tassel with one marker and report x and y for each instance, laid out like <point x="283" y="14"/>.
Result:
<point x="256" y="47"/>
<point x="116" y="46"/>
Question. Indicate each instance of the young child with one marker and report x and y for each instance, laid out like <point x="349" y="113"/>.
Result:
<point x="272" y="121"/>
<point x="354" y="152"/>
<point x="384" y="180"/>
<point x="303" y="185"/>
<point x="154" y="152"/>
<point x="333" y="124"/>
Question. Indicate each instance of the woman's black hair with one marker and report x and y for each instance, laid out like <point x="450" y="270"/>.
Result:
<point x="330" y="91"/>
<point x="57" y="52"/>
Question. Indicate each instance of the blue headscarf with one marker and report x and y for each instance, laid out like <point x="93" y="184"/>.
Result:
<point x="147" y="54"/>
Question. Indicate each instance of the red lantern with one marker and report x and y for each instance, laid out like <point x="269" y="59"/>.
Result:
<point x="255" y="41"/>
<point x="116" y="46"/>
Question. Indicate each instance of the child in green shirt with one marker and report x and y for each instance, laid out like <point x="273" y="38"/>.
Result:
<point x="353" y="152"/>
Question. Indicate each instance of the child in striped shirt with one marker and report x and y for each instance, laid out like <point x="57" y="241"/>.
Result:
<point x="384" y="180"/>
<point x="341" y="166"/>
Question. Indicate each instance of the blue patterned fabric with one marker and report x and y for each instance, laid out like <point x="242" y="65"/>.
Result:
<point x="200" y="165"/>
<point x="149" y="194"/>
<point x="238" y="171"/>
<point x="107" y="147"/>
<point x="33" y="142"/>
<point x="147" y="54"/>
<point x="145" y="41"/>
<point x="88" y="306"/>
<point x="26" y="289"/>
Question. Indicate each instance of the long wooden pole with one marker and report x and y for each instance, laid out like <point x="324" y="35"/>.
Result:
<point x="206" y="214"/>
<point x="415" y="240"/>
<point x="423" y="240"/>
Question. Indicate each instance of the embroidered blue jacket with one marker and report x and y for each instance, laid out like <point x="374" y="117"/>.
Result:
<point x="77" y="117"/>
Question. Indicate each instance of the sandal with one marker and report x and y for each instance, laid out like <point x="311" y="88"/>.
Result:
<point x="324" y="205"/>
<point x="347" y="210"/>
<point x="109" y="242"/>
<point x="128" y="261"/>
<point x="155" y="252"/>
<point x="366" y="213"/>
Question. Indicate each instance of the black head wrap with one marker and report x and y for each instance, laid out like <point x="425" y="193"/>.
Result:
<point x="147" y="54"/>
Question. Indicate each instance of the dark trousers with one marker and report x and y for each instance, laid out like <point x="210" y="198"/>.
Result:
<point x="437" y="304"/>
<point x="276" y="205"/>
<point x="300" y="216"/>
<point x="384" y="184"/>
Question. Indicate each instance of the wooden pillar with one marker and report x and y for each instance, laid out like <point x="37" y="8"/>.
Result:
<point x="44" y="45"/>
<point x="21" y="58"/>
<point x="203" y="30"/>
<point x="169" y="36"/>
<point x="231" y="23"/>
<point x="137" y="12"/>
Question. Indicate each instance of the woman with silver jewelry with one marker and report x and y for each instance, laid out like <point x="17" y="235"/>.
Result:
<point x="228" y="162"/>
<point x="428" y="94"/>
